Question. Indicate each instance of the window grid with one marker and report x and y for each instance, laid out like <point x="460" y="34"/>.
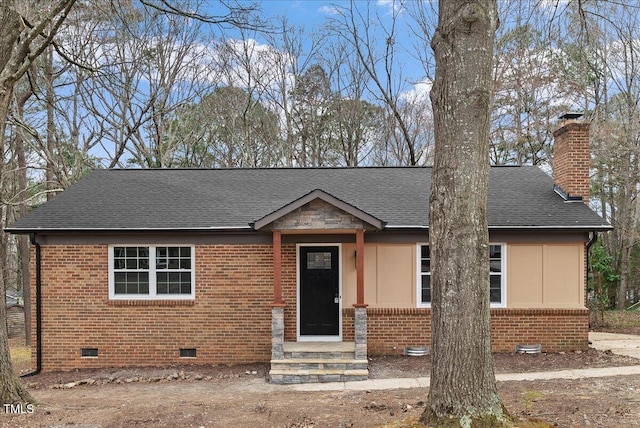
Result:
<point x="496" y="280"/>
<point x="143" y="272"/>
<point x="425" y="274"/>
<point x="171" y="263"/>
<point x="495" y="274"/>
<point x="319" y="260"/>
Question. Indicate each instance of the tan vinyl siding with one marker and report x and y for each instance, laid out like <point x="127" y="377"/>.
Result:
<point x="545" y="276"/>
<point x="539" y="275"/>
<point x="389" y="275"/>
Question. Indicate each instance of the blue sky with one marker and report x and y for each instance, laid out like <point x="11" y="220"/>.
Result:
<point x="309" y="13"/>
<point x="313" y="14"/>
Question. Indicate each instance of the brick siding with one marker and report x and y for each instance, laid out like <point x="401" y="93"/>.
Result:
<point x="230" y="319"/>
<point x="571" y="159"/>
<point x="389" y="330"/>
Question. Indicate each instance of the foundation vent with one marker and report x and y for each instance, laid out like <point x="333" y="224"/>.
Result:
<point x="416" y="351"/>
<point x="187" y="353"/>
<point x="528" y="349"/>
<point x="88" y="352"/>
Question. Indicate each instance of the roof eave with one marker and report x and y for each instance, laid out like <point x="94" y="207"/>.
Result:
<point x="599" y="227"/>
<point x="24" y="231"/>
<point x="231" y="229"/>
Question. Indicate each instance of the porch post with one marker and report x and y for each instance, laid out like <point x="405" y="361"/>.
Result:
<point x="360" y="266"/>
<point x="360" y="314"/>
<point x="277" y="268"/>
<point x="277" y="308"/>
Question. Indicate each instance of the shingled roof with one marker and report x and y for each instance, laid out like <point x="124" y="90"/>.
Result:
<point x="232" y="199"/>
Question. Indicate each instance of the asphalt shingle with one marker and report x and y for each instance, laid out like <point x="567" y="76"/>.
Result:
<point x="206" y="199"/>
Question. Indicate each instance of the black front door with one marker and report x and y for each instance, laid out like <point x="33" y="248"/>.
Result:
<point x="319" y="291"/>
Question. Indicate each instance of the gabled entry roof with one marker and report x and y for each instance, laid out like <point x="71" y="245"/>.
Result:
<point x="324" y="196"/>
<point x="233" y="199"/>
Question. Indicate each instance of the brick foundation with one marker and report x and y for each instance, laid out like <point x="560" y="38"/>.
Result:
<point x="389" y="330"/>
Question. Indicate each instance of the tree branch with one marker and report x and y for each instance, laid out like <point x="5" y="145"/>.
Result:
<point x="238" y="16"/>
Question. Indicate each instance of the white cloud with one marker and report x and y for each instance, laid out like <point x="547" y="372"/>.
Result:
<point x="391" y="5"/>
<point x="419" y="93"/>
<point x="328" y="10"/>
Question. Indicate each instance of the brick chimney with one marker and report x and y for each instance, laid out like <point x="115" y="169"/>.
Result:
<point x="571" y="158"/>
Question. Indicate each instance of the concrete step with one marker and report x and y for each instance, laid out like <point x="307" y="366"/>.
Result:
<point x="301" y="375"/>
<point x="320" y="364"/>
<point x="306" y="350"/>
<point x="307" y="362"/>
<point x="319" y="355"/>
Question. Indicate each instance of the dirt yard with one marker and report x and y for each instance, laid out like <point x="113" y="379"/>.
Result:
<point x="239" y="396"/>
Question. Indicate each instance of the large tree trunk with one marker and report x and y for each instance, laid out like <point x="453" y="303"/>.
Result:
<point x="19" y="46"/>
<point x="12" y="391"/>
<point x="463" y="387"/>
<point x="49" y="97"/>
<point x="625" y="258"/>
<point x="23" y="240"/>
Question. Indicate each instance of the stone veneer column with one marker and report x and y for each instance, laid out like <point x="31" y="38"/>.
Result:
<point x="360" y="329"/>
<point x="277" y="332"/>
<point x="360" y="315"/>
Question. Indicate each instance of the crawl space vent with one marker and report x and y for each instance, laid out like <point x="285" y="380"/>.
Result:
<point x="416" y="351"/>
<point x="187" y="353"/>
<point x="528" y="349"/>
<point x="89" y="352"/>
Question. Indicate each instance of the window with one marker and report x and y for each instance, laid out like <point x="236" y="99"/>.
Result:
<point x="319" y="260"/>
<point x="496" y="275"/>
<point x="151" y="272"/>
<point x="425" y="274"/>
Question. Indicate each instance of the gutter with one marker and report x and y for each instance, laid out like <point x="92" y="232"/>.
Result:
<point x="32" y="237"/>
<point x="592" y="241"/>
<point x="516" y="228"/>
<point x="24" y="231"/>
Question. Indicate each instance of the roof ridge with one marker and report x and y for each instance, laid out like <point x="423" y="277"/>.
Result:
<point x="317" y="168"/>
<point x="278" y="168"/>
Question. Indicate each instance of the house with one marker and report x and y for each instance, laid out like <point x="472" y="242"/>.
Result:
<point x="295" y="266"/>
<point x="15" y="316"/>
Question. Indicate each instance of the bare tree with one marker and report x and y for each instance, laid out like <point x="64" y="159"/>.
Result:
<point x="621" y="145"/>
<point x="605" y="58"/>
<point x="529" y="89"/>
<point x="23" y="240"/>
<point x="24" y="35"/>
<point x="376" y="50"/>
<point x="226" y="128"/>
<point x="293" y="53"/>
<point x="463" y="388"/>
<point x="147" y="65"/>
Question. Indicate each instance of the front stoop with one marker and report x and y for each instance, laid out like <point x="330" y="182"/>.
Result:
<point x="313" y="362"/>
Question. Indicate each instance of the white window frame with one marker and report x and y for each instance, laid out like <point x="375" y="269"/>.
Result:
<point x="419" y="302"/>
<point x="503" y="277"/>
<point x="153" y="295"/>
